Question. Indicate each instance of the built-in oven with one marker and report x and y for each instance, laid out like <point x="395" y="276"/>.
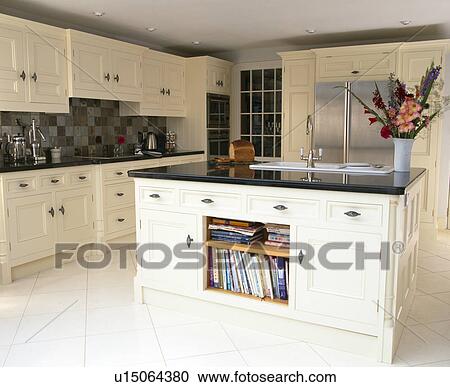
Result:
<point x="218" y="124"/>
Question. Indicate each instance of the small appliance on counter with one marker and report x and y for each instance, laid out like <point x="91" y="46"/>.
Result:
<point x="171" y="144"/>
<point x="150" y="147"/>
<point x="36" y="137"/>
<point x="17" y="149"/>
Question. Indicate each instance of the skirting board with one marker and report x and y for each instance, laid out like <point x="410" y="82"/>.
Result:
<point x="316" y="334"/>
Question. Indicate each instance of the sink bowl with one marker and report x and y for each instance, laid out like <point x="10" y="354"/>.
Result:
<point x="354" y="168"/>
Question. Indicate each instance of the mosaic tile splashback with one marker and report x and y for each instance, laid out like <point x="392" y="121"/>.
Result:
<point x="92" y="126"/>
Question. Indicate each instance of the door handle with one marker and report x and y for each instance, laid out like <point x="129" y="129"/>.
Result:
<point x="163" y="91"/>
<point x="168" y="92"/>
<point x="189" y="240"/>
<point x="107" y="77"/>
<point x="301" y="256"/>
<point x="120" y="220"/>
<point x="34" y="77"/>
<point x="155" y="196"/>
<point x="54" y="181"/>
<point x="116" y="78"/>
<point x="23" y="75"/>
<point x="207" y="201"/>
<point x="82" y="177"/>
<point x="23" y="185"/>
<point x="62" y="210"/>
<point x="52" y="212"/>
<point x="120" y="194"/>
<point x="352" y="214"/>
<point x="280" y="207"/>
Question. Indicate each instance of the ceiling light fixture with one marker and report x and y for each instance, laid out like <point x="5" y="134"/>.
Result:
<point x="405" y="22"/>
<point x="151" y="29"/>
<point x="310" y="31"/>
<point x="196" y="43"/>
<point x="98" y="13"/>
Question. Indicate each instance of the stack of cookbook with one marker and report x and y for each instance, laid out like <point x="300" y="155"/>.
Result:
<point x="277" y="235"/>
<point x="235" y="231"/>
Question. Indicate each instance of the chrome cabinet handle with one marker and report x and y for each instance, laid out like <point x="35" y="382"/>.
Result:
<point x="34" y="77"/>
<point x="189" y="240"/>
<point x="352" y="214"/>
<point x="23" y="185"/>
<point x="163" y="91"/>
<point x="280" y="207"/>
<point x="155" y="196"/>
<point x="54" y="181"/>
<point x="119" y="173"/>
<point x="107" y="77"/>
<point x="23" y="75"/>
<point x="82" y="177"/>
<point x="62" y="210"/>
<point x="120" y="220"/>
<point x="301" y="256"/>
<point x="52" y="212"/>
<point x="116" y="78"/>
<point x="207" y="201"/>
<point x="120" y="194"/>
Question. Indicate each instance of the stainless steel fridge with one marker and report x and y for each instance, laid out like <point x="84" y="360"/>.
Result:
<point x="342" y="129"/>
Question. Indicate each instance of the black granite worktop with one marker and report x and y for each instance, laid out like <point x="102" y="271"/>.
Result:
<point x="392" y="184"/>
<point x="84" y="160"/>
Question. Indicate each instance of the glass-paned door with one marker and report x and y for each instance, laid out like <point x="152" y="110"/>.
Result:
<point x="261" y="110"/>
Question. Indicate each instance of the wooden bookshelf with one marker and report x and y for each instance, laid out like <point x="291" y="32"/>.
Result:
<point x="255" y="248"/>
<point x="249" y="296"/>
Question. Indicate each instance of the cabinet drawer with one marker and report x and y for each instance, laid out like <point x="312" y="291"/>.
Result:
<point x="116" y="173"/>
<point x="50" y="181"/>
<point x="212" y="200"/>
<point x="285" y="207"/>
<point x="354" y="213"/>
<point x="157" y="196"/>
<point x="119" y="194"/>
<point x="83" y="177"/>
<point x="26" y="184"/>
<point x="120" y="220"/>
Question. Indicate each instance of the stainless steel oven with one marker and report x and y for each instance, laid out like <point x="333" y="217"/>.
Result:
<point x="218" y="124"/>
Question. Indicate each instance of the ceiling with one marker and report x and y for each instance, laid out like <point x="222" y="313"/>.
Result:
<point x="228" y="25"/>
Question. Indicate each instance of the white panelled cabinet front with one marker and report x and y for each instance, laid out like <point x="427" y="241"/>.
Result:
<point x="167" y="230"/>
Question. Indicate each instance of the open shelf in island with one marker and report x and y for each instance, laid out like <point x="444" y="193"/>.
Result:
<point x="254" y="248"/>
<point x="249" y="296"/>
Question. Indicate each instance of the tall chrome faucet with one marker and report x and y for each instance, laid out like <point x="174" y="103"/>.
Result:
<point x="311" y="158"/>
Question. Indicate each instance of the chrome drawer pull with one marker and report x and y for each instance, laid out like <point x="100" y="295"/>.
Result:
<point x="82" y="177"/>
<point x="207" y="201"/>
<point x="155" y="196"/>
<point x="280" y="207"/>
<point x="120" y="220"/>
<point x="189" y="240"/>
<point x="23" y="185"/>
<point x="54" y="181"/>
<point x="352" y="214"/>
<point x="120" y="194"/>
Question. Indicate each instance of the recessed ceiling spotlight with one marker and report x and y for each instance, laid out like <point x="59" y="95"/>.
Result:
<point x="99" y="13"/>
<point x="405" y="22"/>
<point x="310" y="31"/>
<point x="151" y="29"/>
<point x="196" y="43"/>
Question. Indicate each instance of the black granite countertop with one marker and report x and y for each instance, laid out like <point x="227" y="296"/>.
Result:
<point x="392" y="184"/>
<point x="83" y="160"/>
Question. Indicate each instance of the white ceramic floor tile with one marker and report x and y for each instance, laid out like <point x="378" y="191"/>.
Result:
<point x="295" y="354"/>
<point x="116" y="319"/>
<point x="12" y="306"/>
<point x="122" y="348"/>
<point x="55" y="353"/>
<point x="60" y="283"/>
<point x="337" y="358"/>
<point x="441" y="327"/>
<point x="434" y="264"/>
<point x="68" y="269"/>
<point x="107" y="297"/>
<point x="20" y="287"/>
<point x="246" y="338"/>
<point x="433" y="283"/>
<point x="3" y="353"/>
<point x="420" y="345"/>
<point x="8" y="329"/>
<point x="51" y="326"/>
<point x="56" y="302"/>
<point x="427" y="309"/>
<point x="116" y="264"/>
<point x="108" y="279"/>
<point x="226" y="359"/>
<point x="167" y="318"/>
<point x="193" y="340"/>
<point x="445" y="363"/>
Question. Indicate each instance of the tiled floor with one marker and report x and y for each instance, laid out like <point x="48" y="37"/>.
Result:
<point x="78" y="317"/>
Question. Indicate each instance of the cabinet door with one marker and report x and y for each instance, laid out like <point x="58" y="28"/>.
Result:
<point x="298" y="103"/>
<point x="347" y="294"/>
<point x="169" y="229"/>
<point x="152" y="73"/>
<point x="425" y="150"/>
<point x="175" y="87"/>
<point x="127" y="75"/>
<point x="47" y="77"/>
<point x="219" y="79"/>
<point x="91" y="71"/>
<point x="12" y="65"/>
<point x="31" y="225"/>
<point x="74" y="215"/>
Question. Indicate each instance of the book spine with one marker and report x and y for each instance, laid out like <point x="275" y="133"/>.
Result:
<point x="210" y="268"/>
<point x="215" y="269"/>
<point x="281" y="278"/>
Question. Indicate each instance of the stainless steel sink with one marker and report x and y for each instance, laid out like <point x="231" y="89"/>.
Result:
<point x="351" y="168"/>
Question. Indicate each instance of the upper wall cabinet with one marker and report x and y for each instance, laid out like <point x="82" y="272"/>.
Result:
<point x="33" y="70"/>
<point x="104" y="68"/>
<point x="357" y="62"/>
<point x="164" y="87"/>
<point x="219" y="76"/>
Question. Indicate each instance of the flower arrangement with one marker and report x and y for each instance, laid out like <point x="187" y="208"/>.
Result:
<point x="406" y="113"/>
<point x="121" y="140"/>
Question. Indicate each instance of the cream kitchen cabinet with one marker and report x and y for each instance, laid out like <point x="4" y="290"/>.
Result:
<point x="104" y="68"/>
<point x="164" y="87"/>
<point x="33" y="73"/>
<point x="219" y="77"/>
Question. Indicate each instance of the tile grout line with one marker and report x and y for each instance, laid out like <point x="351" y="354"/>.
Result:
<point x="232" y="342"/>
<point x="156" y="335"/>
<point x="318" y="354"/>
<point x="20" y="322"/>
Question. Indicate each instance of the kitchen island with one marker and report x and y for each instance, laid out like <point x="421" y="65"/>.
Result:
<point x="369" y="224"/>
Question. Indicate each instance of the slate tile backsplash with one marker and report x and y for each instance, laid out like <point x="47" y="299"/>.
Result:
<point x="92" y="126"/>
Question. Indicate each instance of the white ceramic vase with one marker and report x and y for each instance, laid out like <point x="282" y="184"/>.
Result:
<point x="402" y="154"/>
